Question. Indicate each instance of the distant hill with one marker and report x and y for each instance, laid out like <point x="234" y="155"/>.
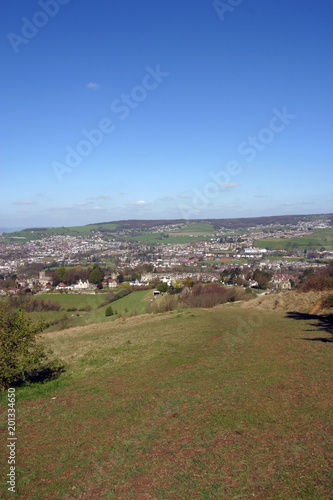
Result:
<point x="10" y="229"/>
<point x="217" y="223"/>
<point x="152" y="231"/>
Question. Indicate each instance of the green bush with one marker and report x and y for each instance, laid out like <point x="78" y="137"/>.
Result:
<point x="109" y="311"/>
<point x="21" y="357"/>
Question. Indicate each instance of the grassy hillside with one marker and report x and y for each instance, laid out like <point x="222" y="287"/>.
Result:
<point x="80" y="309"/>
<point x="203" y="404"/>
<point x="37" y="233"/>
<point x="196" y="230"/>
<point x="319" y="238"/>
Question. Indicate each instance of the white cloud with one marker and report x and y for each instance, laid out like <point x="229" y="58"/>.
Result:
<point x="92" y="85"/>
<point x="56" y="209"/>
<point x="166" y="198"/>
<point x="100" y="197"/>
<point x="186" y="196"/>
<point x="228" y="185"/>
<point x="24" y="202"/>
<point x="140" y="203"/>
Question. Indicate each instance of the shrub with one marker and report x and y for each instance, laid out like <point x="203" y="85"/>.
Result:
<point x="322" y="279"/>
<point x="328" y="301"/>
<point x="207" y="295"/>
<point x="162" y="287"/>
<point x="30" y="304"/>
<point x="164" y="304"/>
<point x="64" y="322"/>
<point x="21" y="357"/>
<point x="112" y="296"/>
<point x="109" y="311"/>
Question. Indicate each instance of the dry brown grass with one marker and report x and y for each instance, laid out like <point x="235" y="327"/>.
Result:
<point x="286" y="301"/>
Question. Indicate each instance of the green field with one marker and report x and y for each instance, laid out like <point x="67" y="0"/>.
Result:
<point x="200" y="404"/>
<point x="199" y="230"/>
<point x="74" y="311"/>
<point x="202" y="228"/>
<point x="319" y="238"/>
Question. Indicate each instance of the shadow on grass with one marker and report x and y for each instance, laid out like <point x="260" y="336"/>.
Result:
<point x="41" y="374"/>
<point x="322" y="323"/>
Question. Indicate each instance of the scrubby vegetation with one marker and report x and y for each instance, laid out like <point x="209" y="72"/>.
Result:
<point x="207" y="295"/>
<point x="321" y="279"/>
<point x="164" y="304"/>
<point x="22" y="358"/>
<point x="109" y="311"/>
<point x="200" y="295"/>
<point x="30" y="303"/>
<point x="115" y="295"/>
<point x="327" y="302"/>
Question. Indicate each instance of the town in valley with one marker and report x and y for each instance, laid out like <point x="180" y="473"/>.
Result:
<point x="146" y="253"/>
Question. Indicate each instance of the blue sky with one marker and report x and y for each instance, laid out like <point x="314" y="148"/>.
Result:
<point x="169" y="109"/>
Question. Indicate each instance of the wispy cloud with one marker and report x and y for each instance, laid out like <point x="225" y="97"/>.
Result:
<point x="93" y="85"/>
<point x="24" y="202"/>
<point x="260" y="196"/>
<point x="140" y="203"/>
<point x="76" y="206"/>
<point x="226" y="186"/>
<point x="136" y="205"/>
<point x="100" y="197"/>
<point x="166" y="198"/>
<point x="185" y="196"/>
<point x="60" y="208"/>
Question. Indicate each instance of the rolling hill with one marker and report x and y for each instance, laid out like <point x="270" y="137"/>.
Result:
<point x="221" y="403"/>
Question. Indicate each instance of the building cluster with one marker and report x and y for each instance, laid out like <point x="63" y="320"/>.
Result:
<point x="204" y="260"/>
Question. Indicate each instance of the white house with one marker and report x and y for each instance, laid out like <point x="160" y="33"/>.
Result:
<point x="136" y="283"/>
<point x="82" y="285"/>
<point x="112" y="283"/>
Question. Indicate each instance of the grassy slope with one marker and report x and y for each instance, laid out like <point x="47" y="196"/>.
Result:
<point x="173" y="239"/>
<point x="288" y="301"/>
<point x="135" y="303"/>
<point x="65" y="231"/>
<point x="319" y="238"/>
<point x="221" y="403"/>
<point x="198" y="230"/>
